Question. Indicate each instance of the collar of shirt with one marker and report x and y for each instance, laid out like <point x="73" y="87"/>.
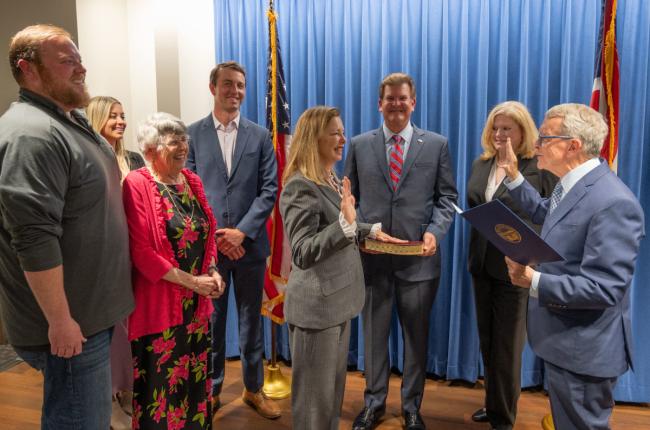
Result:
<point x="571" y="178"/>
<point x="406" y="134"/>
<point x="233" y="125"/>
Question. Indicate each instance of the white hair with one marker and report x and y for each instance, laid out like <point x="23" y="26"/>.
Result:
<point x="152" y="130"/>
<point x="582" y="122"/>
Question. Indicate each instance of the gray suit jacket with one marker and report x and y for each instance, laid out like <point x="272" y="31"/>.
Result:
<point x="581" y="320"/>
<point x="422" y="202"/>
<point x="326" y="285"/>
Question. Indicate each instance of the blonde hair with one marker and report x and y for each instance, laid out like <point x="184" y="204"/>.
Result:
<point x="520" y="115"/>
<point x="98" y="111"/>
<point x="26" y="45"/>
<point x="303" y="154"/>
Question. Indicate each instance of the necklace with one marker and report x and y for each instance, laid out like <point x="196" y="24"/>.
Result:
<point x="187" y="218"/>
<point x="335" y="183"/>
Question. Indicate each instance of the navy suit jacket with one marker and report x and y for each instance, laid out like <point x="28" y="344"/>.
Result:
<point x="422" y="202"/>
<point x="581" y="320"/>
<point x="245" y="198"/>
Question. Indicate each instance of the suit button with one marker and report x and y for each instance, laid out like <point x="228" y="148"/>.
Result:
<point x="225" y="214"/>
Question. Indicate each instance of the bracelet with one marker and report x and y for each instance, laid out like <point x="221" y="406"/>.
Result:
<point x="212" y="268"/>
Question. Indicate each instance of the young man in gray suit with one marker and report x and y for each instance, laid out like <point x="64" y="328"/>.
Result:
<point x="401" y="177"/>
<point x="235" y="159"/>
<point x="579" y="308"/>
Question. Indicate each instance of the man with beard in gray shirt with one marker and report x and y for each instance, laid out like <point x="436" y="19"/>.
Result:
<point x="64" y="259"/>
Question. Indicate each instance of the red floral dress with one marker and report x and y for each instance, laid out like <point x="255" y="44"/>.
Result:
<point x="172" y="372"/>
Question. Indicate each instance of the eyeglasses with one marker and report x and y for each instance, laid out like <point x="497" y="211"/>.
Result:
<point x="545" y="140"/>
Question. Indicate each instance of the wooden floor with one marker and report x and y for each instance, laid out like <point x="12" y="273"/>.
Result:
<point x="446" y="405"/>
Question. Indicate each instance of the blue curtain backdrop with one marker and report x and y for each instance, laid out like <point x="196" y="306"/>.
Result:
<point x="465" y="56"/>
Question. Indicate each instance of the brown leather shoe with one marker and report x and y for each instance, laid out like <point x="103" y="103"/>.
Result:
<point x="265" y="407"/>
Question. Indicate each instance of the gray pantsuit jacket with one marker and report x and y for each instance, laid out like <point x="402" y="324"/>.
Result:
<point x="326" y="285"/>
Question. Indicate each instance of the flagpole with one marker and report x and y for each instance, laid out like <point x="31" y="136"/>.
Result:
<point x="276" y="385"/>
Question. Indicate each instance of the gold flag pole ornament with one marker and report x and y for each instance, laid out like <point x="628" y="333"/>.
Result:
<point x="276" y="385"/>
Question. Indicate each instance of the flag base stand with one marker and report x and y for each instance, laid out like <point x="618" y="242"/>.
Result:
<point x="547" y="422"/>
<point x="276" y="385"/>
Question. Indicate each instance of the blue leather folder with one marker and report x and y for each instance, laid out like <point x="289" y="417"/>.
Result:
<point x="512" y="236"/>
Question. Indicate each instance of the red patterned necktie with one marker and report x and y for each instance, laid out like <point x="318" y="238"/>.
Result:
<point x="396" y="160"/>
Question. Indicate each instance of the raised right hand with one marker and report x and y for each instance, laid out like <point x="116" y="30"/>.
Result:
<point x="507" y="160"/>
<point x="347" y="202"/>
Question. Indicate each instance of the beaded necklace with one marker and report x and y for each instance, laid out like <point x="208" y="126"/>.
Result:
<point x="187" y="218"/>
<point x="335" y="183"/>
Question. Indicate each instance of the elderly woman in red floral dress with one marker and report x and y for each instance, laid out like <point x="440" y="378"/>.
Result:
<point x="173" y="250"/>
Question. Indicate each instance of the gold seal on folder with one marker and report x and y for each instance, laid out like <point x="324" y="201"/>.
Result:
<point x="507" y="233"/>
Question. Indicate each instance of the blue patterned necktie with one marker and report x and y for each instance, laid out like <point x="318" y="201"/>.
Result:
<point x="556" y="196"/>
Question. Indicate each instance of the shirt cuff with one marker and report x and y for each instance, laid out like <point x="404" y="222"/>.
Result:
<point x="349" y="230"/>
<point x="511" y="185"/>
<point x="376" y="228"/>
<point x="534" y="285"/>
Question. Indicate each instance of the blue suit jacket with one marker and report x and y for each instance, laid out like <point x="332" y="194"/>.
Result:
<point x="422" y="202"/>
<point x="581" y="320"/>
<point x="245" y="199"/>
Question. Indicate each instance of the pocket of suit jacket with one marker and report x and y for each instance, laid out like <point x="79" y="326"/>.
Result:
<point x="336" y="283"/>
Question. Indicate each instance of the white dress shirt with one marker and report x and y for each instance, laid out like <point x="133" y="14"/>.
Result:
<point x="227" y="134"/>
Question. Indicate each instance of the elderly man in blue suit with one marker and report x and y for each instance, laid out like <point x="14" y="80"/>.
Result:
<point x="235" y="159"/>
<point x="401" y="177"/>
<point x="579" y="308"/>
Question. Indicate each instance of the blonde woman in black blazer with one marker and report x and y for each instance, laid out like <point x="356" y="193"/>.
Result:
<point x="501" y="306"/>
<point x="326" y="288"/>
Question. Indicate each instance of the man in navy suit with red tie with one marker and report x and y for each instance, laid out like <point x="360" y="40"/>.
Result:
<point x="401" y="177"/>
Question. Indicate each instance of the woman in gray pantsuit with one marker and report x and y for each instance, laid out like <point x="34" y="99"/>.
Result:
<point x="326" y="287"/>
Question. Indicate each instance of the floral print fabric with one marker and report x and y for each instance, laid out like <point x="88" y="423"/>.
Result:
<point x="171" y="370"/>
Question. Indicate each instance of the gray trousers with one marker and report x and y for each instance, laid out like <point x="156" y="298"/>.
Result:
<point x="579" y="402"/>
<point x="414" y="301"/>
<point x="319" y="360"/>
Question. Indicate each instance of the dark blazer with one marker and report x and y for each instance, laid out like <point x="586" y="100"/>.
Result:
<point x="134" y="160"/>
<point x="581" y="320"/>
<point x="422" y="202"/>
<point x="326" y="285"/>
<point x="245" y="198"/>
<point x="482" y="254"/>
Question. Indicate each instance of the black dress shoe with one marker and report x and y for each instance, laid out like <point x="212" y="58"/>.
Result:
<point x="480" y="416"/>
<point x="413" y="421"/>
<point x="367" y="419"/>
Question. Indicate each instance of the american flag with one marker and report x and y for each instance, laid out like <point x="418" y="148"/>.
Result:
<point x="604" y="96"/>
<point x="279" y="124"/>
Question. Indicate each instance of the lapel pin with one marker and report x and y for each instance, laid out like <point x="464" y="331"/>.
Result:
<point x="420" y="141"/>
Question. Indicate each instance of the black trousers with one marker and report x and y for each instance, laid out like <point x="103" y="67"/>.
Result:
<point x="501" y="315"/>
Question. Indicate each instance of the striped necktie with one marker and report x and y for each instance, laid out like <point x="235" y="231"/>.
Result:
<point x="396" y="160"/>
<point x="556" y="196"/>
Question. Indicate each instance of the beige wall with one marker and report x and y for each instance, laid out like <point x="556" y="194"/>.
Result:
<point x="15" y="15"/>
<point x="152" y="55"/>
